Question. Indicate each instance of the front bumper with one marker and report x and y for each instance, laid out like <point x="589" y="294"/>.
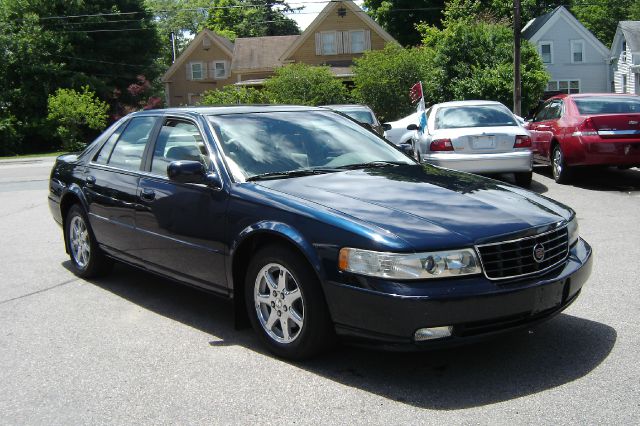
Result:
<point x="505" y="162"/>
<point x="391" y="312"/>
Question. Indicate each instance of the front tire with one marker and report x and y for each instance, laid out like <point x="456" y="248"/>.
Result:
<point x="559" y="168"/>
<point x="286" y="305"/>
<point x="87" y="259"/>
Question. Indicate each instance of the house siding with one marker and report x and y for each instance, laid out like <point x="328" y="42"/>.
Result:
<point x="623" y="62"/>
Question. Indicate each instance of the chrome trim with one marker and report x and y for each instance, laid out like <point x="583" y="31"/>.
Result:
<point x="484" y="272"/>
<point x="618" y="132"/>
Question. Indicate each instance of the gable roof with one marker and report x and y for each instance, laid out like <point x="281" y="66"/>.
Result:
<point x="331" y="5"/>
<point x="537" y="27"/>
<point x="223" y="43"/>
<point x="256" y="53"/>
<point x="631" y="32"/>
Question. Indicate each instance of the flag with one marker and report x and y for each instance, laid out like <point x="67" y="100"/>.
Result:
<point x="415" y="94"/>
<point x="422" y="116"/>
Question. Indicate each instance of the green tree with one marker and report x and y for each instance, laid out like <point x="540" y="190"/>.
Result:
<point x="474" y="60"/>
<point x="601" y="17"/>
<point x="400" y="17"/>
<point x="383" y="78"/>
<point x="78" y="116"/>
<point x="305" y="85"/>
<point x="231" y="95"/>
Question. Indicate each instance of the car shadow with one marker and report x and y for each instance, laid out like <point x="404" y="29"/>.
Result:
<point x="536" y="186"/>
<point x="550" y="355"/>
<point x="600" y="178"/>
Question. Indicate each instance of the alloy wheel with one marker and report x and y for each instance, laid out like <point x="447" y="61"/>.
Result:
<point x="279" y="303"/>
<point x="79" y="242"/>
<point x="557" y="163"/>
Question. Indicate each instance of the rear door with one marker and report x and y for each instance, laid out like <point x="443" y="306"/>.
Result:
<point x="543" y="126"/>
<point x="181" y="226"/>
<point x="111" y="183"/>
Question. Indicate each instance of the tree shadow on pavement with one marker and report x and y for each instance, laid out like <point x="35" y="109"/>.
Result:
<point x="600" y="178"/>
<point x="553" y="354"/>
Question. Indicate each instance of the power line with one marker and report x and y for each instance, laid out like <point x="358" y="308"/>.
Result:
<point x="101" y="62"/>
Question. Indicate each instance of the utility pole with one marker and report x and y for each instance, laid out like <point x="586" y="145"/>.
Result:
<point x="173" y="47"/>
<point x="517" y="87"/>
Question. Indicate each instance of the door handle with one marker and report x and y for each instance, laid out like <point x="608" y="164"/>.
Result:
<point x="90" y="180"/>
<point x="148" y="194"/>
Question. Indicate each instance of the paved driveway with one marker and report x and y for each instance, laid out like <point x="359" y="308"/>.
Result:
<point x="134" y="348"/>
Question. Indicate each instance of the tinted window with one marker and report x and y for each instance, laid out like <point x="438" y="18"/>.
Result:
<point x="473" y="116"/>
<point x="270" y="142"/>
<point x="127" y="153"/>
<point x="608" y="105"/>
<point x="178" y="140"/>
<point x="554" y="110"/>
<point x="359" y="115"/>
<point x="105" y="151"/>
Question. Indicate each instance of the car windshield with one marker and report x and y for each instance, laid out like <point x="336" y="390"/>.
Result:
<point x="473" y="116"/>
<point x="608" y="105"/>
<point x="358" y="115"/>
<point x="257" y="144"/>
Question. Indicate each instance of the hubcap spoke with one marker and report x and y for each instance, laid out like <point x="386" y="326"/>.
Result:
<point x="295" y="317"/>
<point x="291" y="296"/>
<point x="273" y="317"/>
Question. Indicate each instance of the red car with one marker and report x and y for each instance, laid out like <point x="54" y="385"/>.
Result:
<point x="586" y="130"/>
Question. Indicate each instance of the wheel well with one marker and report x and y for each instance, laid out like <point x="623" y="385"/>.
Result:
<point x="241" y="259"/>
<point x="65" y="204"/>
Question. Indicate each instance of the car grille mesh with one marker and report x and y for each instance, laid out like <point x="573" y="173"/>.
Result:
<point x="511" y="259"/>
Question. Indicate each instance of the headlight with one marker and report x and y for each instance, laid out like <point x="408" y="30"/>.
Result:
<point x="440" y="264"/>
<point x="572" y="230"/>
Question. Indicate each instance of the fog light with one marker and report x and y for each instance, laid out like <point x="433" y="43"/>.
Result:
<point x="432" y="333"/>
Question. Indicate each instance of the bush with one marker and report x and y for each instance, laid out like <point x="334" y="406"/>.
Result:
<point x="79" y="115"/>
<point x="10" y="138"/>
<point x="303" y="84"/>
<point x="383" y="79"/>
<point x="231" y="95"/>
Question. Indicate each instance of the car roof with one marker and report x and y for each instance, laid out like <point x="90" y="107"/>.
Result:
<point x="348" y="106"/>
<point x="590" y="95"/>
<point x="228" y="109"/>
<point x="466" y="103"/>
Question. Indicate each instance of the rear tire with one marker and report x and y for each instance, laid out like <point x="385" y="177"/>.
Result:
<point x="286" y="304"/>
<point x="559" y="168"/>
<point x="87" y="260"/>
<point x="523" y="179"/>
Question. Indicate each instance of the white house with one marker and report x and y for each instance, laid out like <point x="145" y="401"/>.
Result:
<point x="577" y="61"/>
<point x="625" y="53"/>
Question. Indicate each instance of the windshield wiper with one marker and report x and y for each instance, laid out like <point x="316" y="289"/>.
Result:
<point x="372" y="164"/>
<point x="291" y="173"/>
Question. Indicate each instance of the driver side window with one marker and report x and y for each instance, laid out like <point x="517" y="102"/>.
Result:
<point x="178" y="140"/>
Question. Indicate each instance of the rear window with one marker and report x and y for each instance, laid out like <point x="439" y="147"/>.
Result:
<point x="359" y="115"/>
<point x="474" y="116"/>
<point x="607" y="105"/>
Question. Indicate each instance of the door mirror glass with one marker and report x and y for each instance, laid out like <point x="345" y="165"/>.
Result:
<point x="413" y="127"/>
<point x="187" y="171"/>
<point x="386" y="126"/>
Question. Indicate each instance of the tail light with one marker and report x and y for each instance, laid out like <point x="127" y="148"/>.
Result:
<point x="522" y="141"/>
<point x="441" y="145"/>
<point x="586" y="128"/>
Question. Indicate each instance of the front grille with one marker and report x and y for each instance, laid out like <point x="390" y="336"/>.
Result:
<point x="515" y="258"/>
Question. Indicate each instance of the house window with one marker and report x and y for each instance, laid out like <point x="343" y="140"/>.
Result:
<point x="196" y="71"/>
<point x="219" y="69"/>
<point x="357" y="41"/>
<point x="546" y="52"/>
<point x="577" y="51"/>
<point x="328" y="43"/>
<point x="624" y="83"/>
<point x="624" y="51"/>
<point x="552" y="86"/>
<point x="564" y="86"/>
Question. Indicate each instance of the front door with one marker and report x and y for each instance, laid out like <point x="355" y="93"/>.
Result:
<point x="181" y="226"/>
<point x="542" y="127"/>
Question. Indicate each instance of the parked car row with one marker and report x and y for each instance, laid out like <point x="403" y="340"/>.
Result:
<point x="565" y="132"/>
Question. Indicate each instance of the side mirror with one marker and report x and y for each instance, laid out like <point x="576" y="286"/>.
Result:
<point x="407" y="149"/>
<point x="186" y="171"/>
<point x="413" y="127"/>
<point x="386" y="126"/>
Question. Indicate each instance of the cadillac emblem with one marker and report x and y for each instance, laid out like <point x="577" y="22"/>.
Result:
<point x="538" y="253"/>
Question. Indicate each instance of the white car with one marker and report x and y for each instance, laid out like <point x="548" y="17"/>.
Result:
<point x="476" y="137"/>
<point x="396" y="131"/>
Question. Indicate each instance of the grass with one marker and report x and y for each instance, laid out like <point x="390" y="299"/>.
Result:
<point x="42" y="154"/>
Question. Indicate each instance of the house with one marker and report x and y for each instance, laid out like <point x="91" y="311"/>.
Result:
<point x="576" y="60"/>
<point x="340" y="33"/>
<point x="625" y="53"/>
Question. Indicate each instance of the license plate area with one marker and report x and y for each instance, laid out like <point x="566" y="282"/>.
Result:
<point x="483" y="142"/>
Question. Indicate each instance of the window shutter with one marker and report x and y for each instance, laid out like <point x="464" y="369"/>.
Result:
<point x="339" y="44"/>
<point x="204" y="70"/>
<point x="188" y="68"/>
<point x="318" y="44"/>
<point x="367" y="40"/>
<point x="346" y="41"/>
<point x="212" y="69"/>
<point x="227" y="69"/>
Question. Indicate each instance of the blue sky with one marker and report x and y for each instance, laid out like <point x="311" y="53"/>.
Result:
<point x="310" y="11"/>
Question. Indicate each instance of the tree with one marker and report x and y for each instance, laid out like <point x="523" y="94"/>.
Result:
<point x="305" y="85"/>
<point x="601" y="17"/>
<point x="231" y="95"/>
<point x="474" y="60"/>
<point x="77" y="114"/>
<point x="400" y="17"/>
<point x="383" y="78"/>
<point x="251" y="18"/>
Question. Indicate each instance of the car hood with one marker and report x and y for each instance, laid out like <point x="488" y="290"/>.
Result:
<point x="427" y="206"/>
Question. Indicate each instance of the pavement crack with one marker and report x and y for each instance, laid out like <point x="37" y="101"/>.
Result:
<point x="2" y="302"/>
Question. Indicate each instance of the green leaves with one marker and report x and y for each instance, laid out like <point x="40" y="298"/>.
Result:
<point x="305" y="85"/>
<point x="231" y="95"/>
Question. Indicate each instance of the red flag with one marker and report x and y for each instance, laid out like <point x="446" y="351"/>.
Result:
<point x="416" y="92"/>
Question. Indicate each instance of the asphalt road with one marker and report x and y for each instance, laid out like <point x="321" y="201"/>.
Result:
<point x="136" y="349"/>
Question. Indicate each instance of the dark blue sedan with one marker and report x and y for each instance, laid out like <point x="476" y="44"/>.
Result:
<point x="317" y="228"/>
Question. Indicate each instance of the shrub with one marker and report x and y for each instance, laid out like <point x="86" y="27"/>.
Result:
<point x="303" y="84"/>
<point x="10" y="138"/>
<point x="231" y="95"/>
<point x="79" y="115"/>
